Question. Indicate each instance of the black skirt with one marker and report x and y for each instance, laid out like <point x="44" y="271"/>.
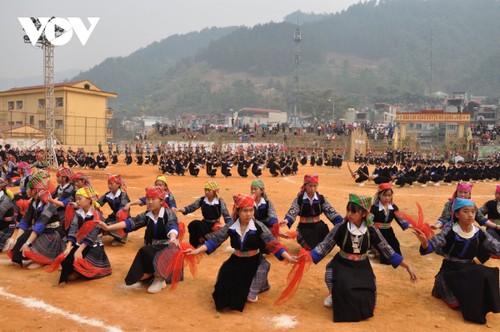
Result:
<point x="354" y="290"/>
<point x="311" y="234"/>
<point x="17" y="255"/>
<point x="94" y="255"/>
<point x="476" y="288"/>
<point x="143" y="263"/>
<point x="233" y="282"/>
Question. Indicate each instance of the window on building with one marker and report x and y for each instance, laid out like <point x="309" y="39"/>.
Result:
<point x="452" y="127"/>
<point x="41" y="124"/>
<point x="59" y="102"/>
<point x="59" y="124"/>
<point x="418" y="126"/>
<point x="19" y="105"/>
<point x="411" y="125"/>
<point x="19" y="123"/>
<point x="41" y="103"/>
<point x="10" y="123"/>
<point x="32" y="119"/>
<point x="10" y="105"/>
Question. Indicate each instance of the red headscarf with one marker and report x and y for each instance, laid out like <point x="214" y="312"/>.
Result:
<point x="384" y="186"/>
<point x="65" y="171"/>
<point x="155" y="192"/>
<point x="242" y="200"/>
<point x="309" y="178"/>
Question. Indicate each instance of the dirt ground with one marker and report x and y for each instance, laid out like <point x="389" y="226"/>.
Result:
<point x="108" y="304"/>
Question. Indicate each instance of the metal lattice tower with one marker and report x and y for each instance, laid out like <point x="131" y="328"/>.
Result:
<point x="48" y="73"/>
<point x="296" y="61"/>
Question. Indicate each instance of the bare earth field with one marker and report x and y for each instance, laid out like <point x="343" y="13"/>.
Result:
<point x="31" y="300"/>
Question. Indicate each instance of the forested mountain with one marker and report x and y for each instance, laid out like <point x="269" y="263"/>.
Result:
<point x="371" y="51"/>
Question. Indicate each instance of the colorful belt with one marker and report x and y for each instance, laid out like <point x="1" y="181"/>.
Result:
<point x="382" y="225"/>
<point x="248" y="253"/>
<point x="309" y="220"/>
<point x="353" y="257"/>
<point x="212" y="221"/>
<point x="459" y="260"/>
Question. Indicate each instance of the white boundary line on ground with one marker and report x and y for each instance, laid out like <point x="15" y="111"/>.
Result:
<point x="38" y="304"/>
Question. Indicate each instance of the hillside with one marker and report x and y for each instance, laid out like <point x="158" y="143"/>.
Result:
<point x="372" y="51"/>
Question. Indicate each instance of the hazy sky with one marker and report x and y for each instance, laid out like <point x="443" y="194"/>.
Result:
<point x="126" y="25"/>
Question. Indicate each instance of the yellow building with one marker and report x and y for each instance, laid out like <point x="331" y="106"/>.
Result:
<point x="81" y="112"/>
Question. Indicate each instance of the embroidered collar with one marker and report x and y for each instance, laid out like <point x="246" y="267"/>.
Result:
<point x="237" y="227"/>
<point x="160" y="215"/>
<point x="215" y="201"/>
<point x="381" y="207"/>
<point x="82" y="213"/>
<point x="261" y="202"/>
<point x="117" y="194"/>
<point x="354" y="230"/>
<point x="315" y="197"/>
<point x="466" y="235"/>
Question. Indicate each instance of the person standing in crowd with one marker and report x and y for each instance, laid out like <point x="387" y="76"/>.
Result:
<point x="239" y="272"/>
<point x="7" y="217"/>
<point x="491" y="209"/>
<point x="349" y="276"/>
<point x="309" y="205"/>
<point x="383" y="212"/>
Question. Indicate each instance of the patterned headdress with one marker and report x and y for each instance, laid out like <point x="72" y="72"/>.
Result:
<point x="162" y="178"/>
<point x="242" y="200"/>
<point x="91" y="194"/>
<point x="117" y="178"/>
<point x="309" y="178"/>
<point x="211" y="185"/>
<point x="155" y="192"/>
<point x="39" y="180"/>
<point x="24" y="166"/>
<point x="364" y="201"/>
<point x="65" y="171"/>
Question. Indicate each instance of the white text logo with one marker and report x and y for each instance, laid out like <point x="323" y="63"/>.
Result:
<point x="50" y="26"/>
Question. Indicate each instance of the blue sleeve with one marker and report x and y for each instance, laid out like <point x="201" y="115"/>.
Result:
<point x="395" y="260"/>
<point x="290" y="221"/>
<point x="315" y="256"/>
<point x="38" y="227"/>
<point x="65" y="201"/>
<point x="143" y="201"/>
<point x="338" y="220"/>
<point x="23" y="224"/>
<point x="279" y="254"/>
<point x="129" y="227"/>
<point x="211" y="246"/>
<point x="272" y="221"/>
<point x="429" y="249"/>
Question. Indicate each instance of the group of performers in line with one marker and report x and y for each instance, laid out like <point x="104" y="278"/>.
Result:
<point x="62" y="228"/>
<point x="426" y="172"/>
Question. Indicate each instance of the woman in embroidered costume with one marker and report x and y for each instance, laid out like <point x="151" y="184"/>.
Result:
<point x="309" y="205"/>
<point x="349" y="276"/>
<point x="116" y="198"/>
<point x="63" y="195"/>
<point x="492" y="210"/>
<point x="460" y="281"/>
<point x="161" y="234"/>
<point x="212" y="208"/>
<point x="382" y="210"/>
<point x="84" y="254"/>
<point x="7" y="217"/>
<point x="239" y="272"/>
<point x="464" y="190"/>
<point x="160" y="181"/>
<point x="37" y="236"/>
